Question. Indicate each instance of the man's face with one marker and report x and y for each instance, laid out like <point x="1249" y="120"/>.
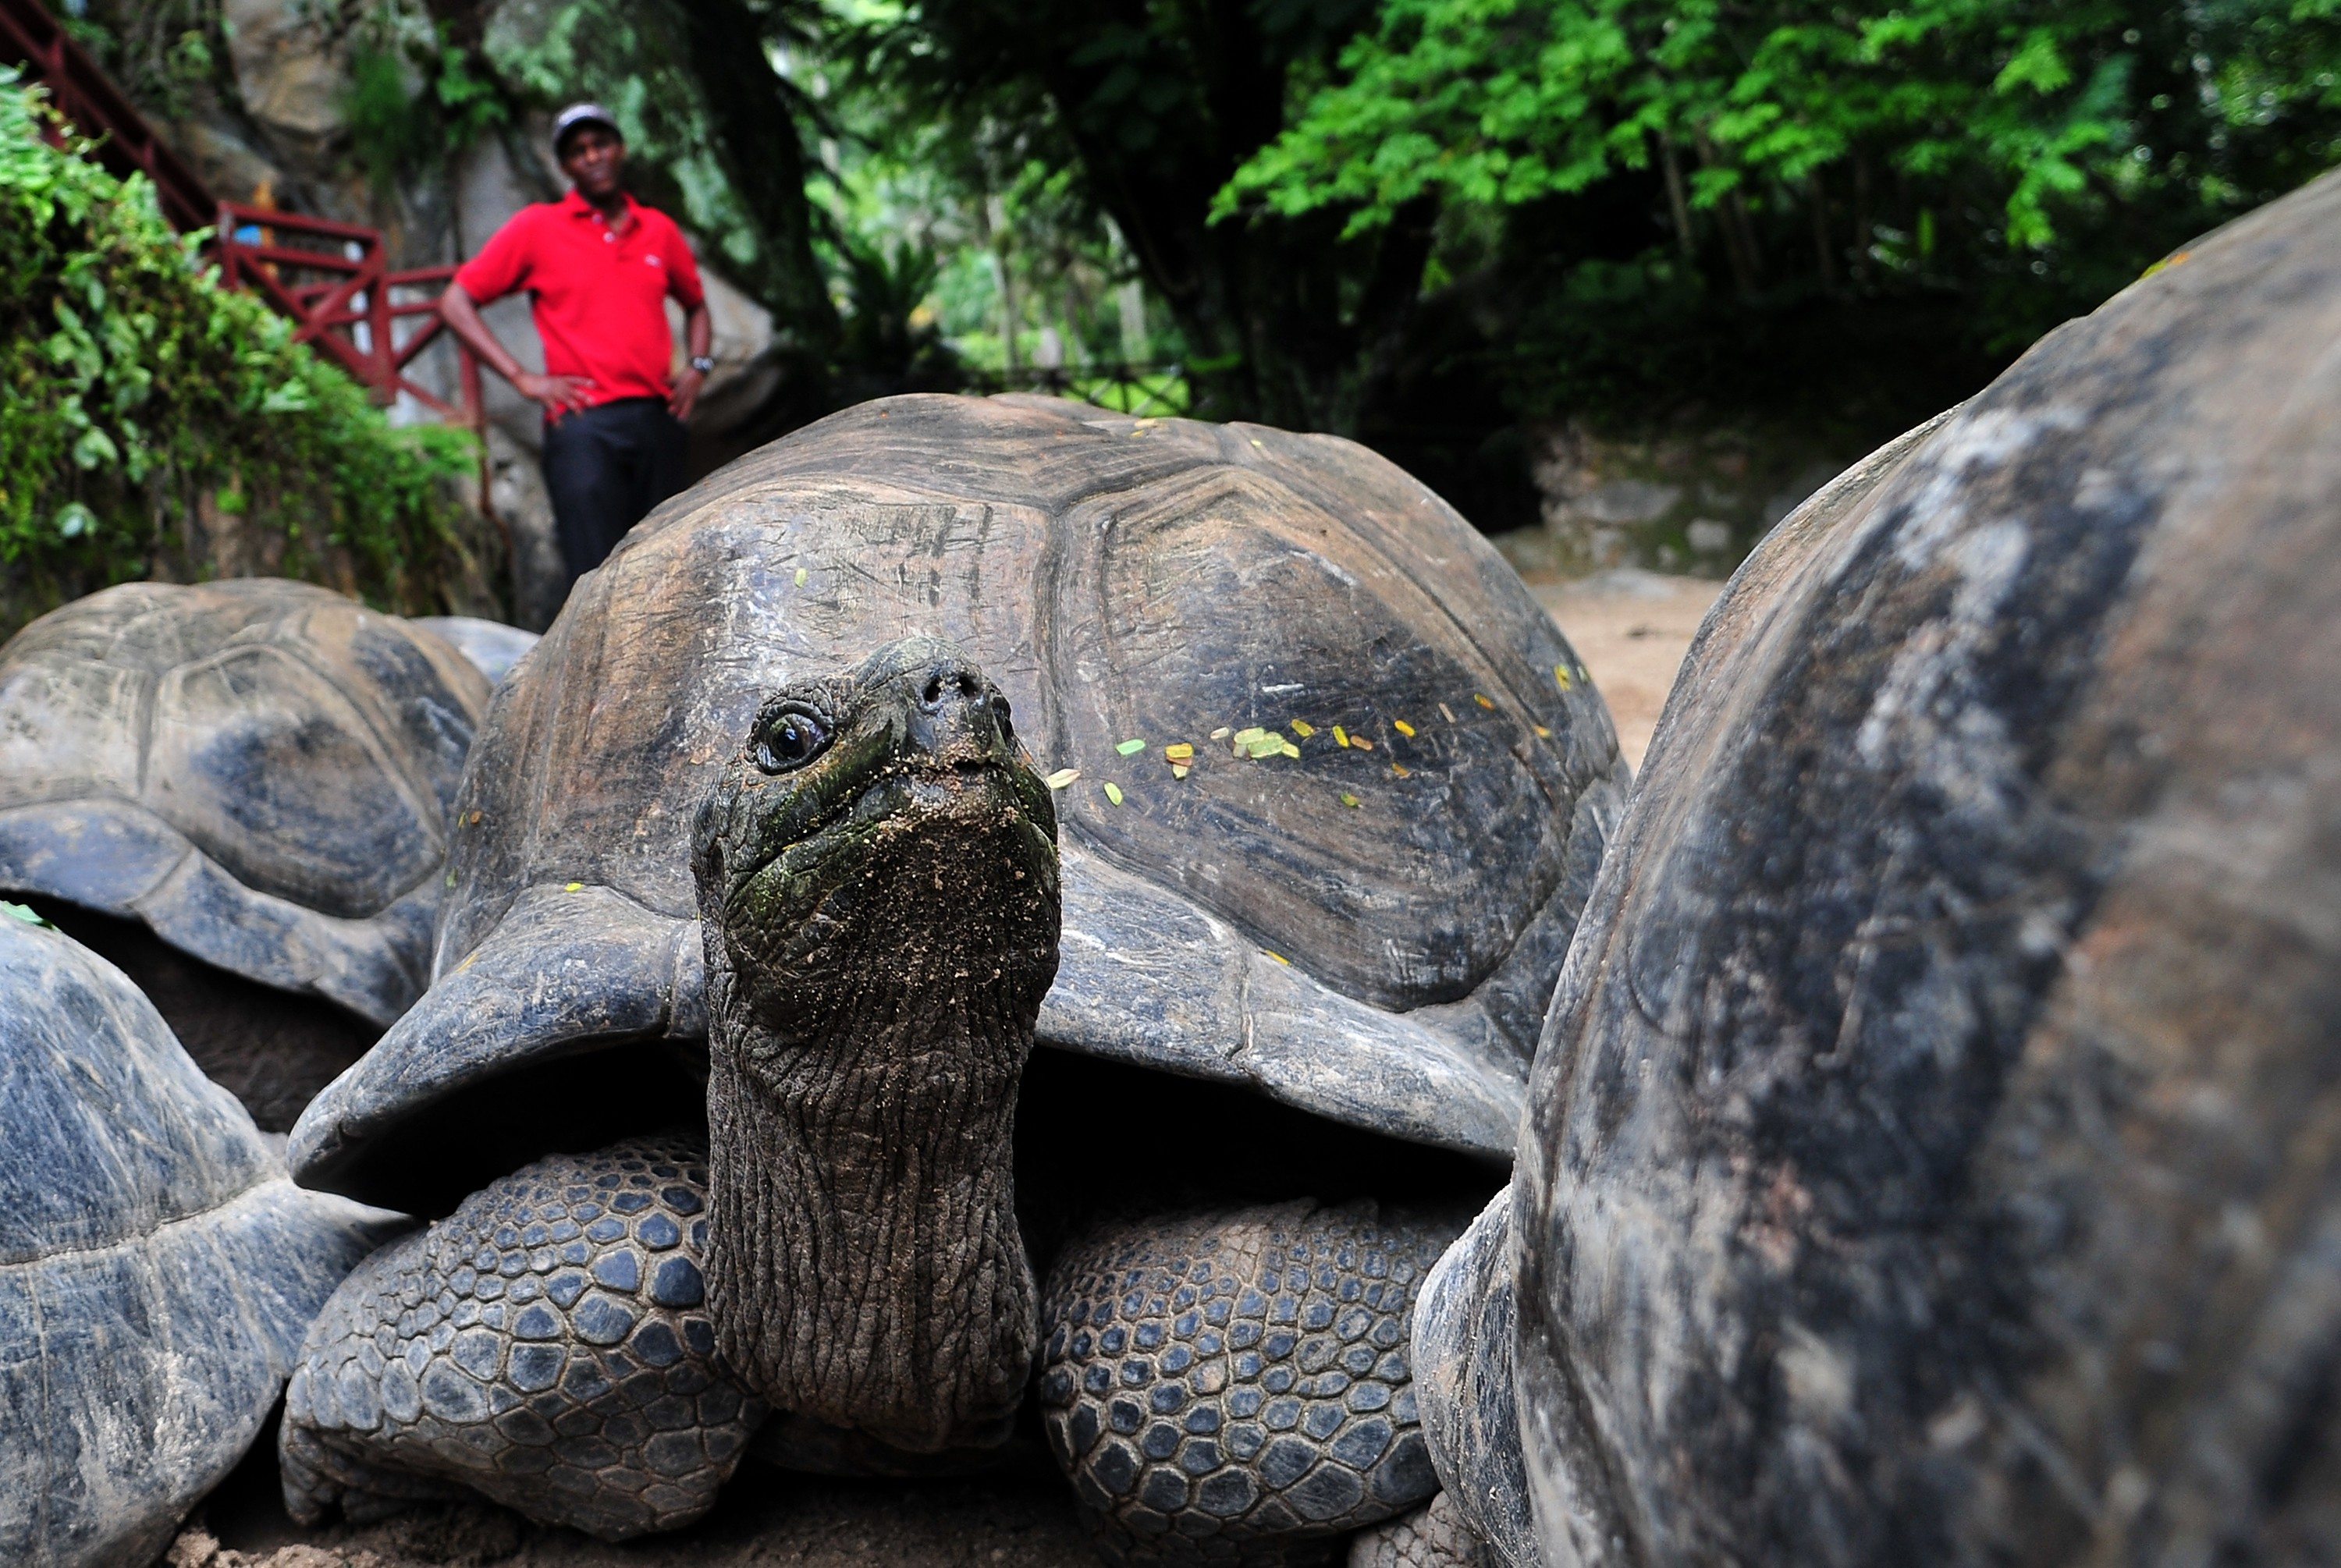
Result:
<point x="595" y="159"/>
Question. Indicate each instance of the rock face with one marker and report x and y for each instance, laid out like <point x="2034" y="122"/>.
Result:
<point x="157" y="1265"/>
<point x="290" y="69"/>
<point x="1931" y="1151"/>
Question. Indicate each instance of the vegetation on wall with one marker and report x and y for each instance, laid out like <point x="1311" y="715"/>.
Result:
<point x="154" y="424"/>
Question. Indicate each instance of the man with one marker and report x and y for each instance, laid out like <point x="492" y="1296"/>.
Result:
<point x="598" y="266"/>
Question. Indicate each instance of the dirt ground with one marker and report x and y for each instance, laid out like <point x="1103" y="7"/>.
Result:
<point x="767" y="1519"/>
<point x="1630" y="629"/>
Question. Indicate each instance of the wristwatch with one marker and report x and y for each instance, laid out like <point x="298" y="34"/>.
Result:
<point x="704" y="364"/>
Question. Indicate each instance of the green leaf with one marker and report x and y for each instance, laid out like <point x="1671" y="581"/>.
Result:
<point x="96" y="449"/>
<point x="288" y="397"/>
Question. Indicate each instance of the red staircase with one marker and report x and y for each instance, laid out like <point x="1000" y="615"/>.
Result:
<point x="331" y="278"/>
<point x="83" y="94"/>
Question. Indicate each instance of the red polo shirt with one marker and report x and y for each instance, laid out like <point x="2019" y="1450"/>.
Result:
<point x="599" y="294"/>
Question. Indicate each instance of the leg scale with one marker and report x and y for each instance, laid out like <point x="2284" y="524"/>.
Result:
<point x="1233" y="1387"/>
<point x="545" y="1346"/>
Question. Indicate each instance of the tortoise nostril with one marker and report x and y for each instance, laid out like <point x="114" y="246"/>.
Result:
<point x="934" y="692"/>
<point x="967" y="685"/>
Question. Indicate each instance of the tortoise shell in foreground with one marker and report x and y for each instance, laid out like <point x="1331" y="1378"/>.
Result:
<point x="157" y="1267"/>
<point x="1361" y="915"/>
<point x="1931" y="1158"/>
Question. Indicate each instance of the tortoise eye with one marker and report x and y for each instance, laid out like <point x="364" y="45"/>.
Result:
<point x="790" y="738"/>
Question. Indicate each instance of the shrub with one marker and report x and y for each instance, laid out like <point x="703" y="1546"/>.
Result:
<point x="154" y="424"/>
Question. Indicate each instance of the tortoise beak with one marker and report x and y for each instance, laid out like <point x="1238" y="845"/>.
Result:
<point x="958" y="718"/>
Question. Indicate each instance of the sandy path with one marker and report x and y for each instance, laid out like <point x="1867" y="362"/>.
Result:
<point x="1630" y="627"/>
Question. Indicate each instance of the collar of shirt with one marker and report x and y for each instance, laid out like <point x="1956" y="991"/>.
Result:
<point x="575" y="205"/>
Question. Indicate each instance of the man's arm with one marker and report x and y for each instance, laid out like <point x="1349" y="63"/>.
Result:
<point x="559" y="394"/>
<point x="698" y="337"/>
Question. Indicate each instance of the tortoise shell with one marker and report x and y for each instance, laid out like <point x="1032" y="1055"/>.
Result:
<point x="1362" y="918"/>
<point x="1931" y="1155"/>
<point x="157" y="1265"/>
<point x="493" y="647"/>
<point x="258" y="770"/>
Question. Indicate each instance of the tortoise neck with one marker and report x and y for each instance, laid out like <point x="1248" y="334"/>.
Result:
<point x="866" y="1267"/>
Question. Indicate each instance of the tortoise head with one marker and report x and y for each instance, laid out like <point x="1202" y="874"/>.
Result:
<point x="878" y="888"/>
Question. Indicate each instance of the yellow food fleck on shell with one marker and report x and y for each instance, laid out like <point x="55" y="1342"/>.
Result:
<point x="1277" y="957"/>
<point x="1179" y="751"/>
<point x="1063" y="777"/>
<point x="1113" y="792"/>
<point x="1447" y="713"/>
<point x="1403" y="727"/>
<point x="1289" y="748"/>
<point x="1482" y="701"/>
<point x="1221" y="733"/>
<point x="1542" y="733"/>
<point x="1402" y="769"/>
<point x="1341" y="737"/>
<point x="804" y="577"/>
<point x="1348" y="798"/>
<point x="1303" y="727"/>
<point x="1177" y="770"/>
<point x="1362" y="743"/>
<point x="1561" y="676"/>
<point x="575" y="888"/>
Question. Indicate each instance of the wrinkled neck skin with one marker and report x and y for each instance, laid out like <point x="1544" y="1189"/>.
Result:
<point x="867" y="1270"/>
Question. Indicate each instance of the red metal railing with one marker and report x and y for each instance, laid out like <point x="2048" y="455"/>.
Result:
<point x="83" y="94"/>
<point x="333" y="280"/>
<point x="328" y="277"/>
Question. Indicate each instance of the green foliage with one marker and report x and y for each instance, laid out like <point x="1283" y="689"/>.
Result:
<point x="414" y="98"/>
<point x="2033" y="153"/>
<point x="1130" y="115"/>
<point x="136" y="397"/>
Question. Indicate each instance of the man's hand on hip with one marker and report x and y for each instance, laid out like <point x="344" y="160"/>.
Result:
<point x="685" y="395"/>
<point x="559" y="394"/>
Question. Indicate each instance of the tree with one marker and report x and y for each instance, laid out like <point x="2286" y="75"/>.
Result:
<point x="1156" y="103"/>
<point x="2030" y="153"/>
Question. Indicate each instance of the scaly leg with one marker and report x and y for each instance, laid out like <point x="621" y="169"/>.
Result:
<point x="544" y="1346"/>
<point x="1233" y="1387"/>
<point x="1433" y="1536"/>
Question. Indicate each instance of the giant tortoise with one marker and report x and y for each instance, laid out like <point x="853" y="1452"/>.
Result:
<point x="1331" y="789"/>
<point x="1931" y="1157"/>
<point x="237" y="791"/>
<point x="157" y="1265"/>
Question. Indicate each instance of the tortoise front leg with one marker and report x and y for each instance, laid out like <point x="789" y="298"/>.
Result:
<point x="544" y="1346"/>
<point x="1233" y="1387"/>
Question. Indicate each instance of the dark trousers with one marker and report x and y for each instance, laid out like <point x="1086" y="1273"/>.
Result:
<point x="605" y="467"/>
